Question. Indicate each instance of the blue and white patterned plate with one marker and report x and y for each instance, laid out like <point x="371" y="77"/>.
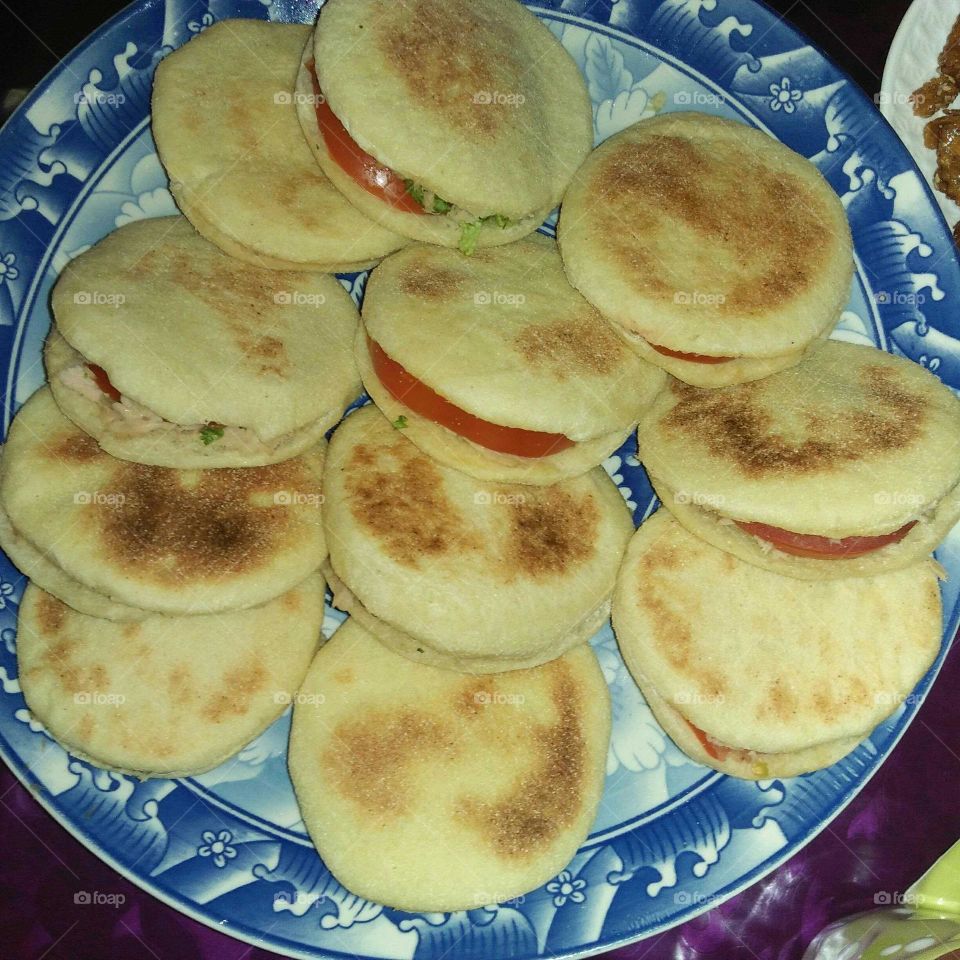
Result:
<point x="672" y="838"/>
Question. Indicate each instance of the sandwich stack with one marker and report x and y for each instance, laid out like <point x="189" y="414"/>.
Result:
<point x="172" y="496"/>
<point x="163" y="495"/>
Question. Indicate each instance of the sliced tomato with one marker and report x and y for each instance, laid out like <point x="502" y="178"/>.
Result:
<point x="366" y="171"/>
<point x="715" y="750"/>
<point x="809" y="545"/>
<point x="103" y="382"/>
<point x="415" y="394"/>
<point x="689" y="357"/>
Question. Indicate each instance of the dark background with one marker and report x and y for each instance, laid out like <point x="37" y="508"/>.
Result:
<point x="36" y="33"/>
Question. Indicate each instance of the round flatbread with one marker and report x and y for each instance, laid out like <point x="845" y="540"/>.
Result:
<point x="494" y="132"/>
<point x="741" y="370"/>
<point x="852" y="442"/>
<point x="194" y="341"/>
<point x="426" y="790"/>
<point x="51" y="579"/>
<point x="459" y="573"/>
<point x="504" y="338"/>
<point x="171" y="541"/>
<point x="167" y="696"/>
<point x="225" y="125"/>
<point x="704" y="236"/>
<point x="779" y="676"/>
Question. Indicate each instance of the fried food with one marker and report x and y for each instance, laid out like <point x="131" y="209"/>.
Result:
<point x="942" y="135"/>
<point x="940" y="91"/>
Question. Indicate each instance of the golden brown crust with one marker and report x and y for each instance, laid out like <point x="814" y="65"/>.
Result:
<point x="171" y="529"/>
<point x="74" y="447"/>
<point x="736" y="426"/>
<point x="50" y="613"/>
<point x="424" y="46"/>
<point x="566" y="346"/>
<point x="763" y="663"/>
<point x="396" y="494"/>
<point x="425" y="282"/>
<point x="552" y="532"/>
<point x="658" y="180"/>
<point x="542" y="803"/>
<point x="473" y="783"/>
<point x="239" y="686"/>
<point x="706" y="236"/>
<point x="369" y="758"/>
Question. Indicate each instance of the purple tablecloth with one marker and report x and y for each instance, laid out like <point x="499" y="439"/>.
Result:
<point x="902" y="821"/>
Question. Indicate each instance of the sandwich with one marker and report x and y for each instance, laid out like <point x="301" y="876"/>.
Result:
<point x="171" y="353"/>
<point x="720" y="253"/>
<point x="225" y="124"/>
<point x="426" y="790"/>
<point x="160" y="540"/>
<point x="168" y="696"/>
<point x="761" y="676"/>
<point x="459" y="573"/>
<point x="495" y="365"/>
<point x="846" y="465"/>
<point x="450" y="123"/>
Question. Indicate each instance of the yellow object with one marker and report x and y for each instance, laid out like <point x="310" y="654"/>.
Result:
<point x="938" y="890"/>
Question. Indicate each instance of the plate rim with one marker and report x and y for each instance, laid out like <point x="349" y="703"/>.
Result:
<point x="134" y="9"/>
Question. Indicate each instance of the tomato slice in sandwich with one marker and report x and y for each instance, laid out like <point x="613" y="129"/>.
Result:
<point x="103" y="382"/>
<point x="365" y="170"/>
<point x="689" y="357"/>
<point x="714" y="750"/>
<point x="809" y="545"/>
<point x="415" y="394"/>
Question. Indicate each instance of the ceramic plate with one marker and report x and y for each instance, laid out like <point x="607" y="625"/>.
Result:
<point x="912" y="61"/>
<point x="671" y="838"/>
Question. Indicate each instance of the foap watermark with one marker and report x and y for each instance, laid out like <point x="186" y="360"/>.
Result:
<point x="484" y="298"/>
<point x="484" y="498"/>
<point x="296" y="901"/>
<point x="698" y="298"/>
<point x="697" y="696"/>
<point x="893" y="698"/>
<point x="498" y="698"/>
<point x="297" y="498"/>
<point x="894" y="898"/>
<point x="698" y="98"/>
<point x="97" y="698"/>
<point x="484" y="899"/>
<point x="897" y="498"/>
<point x="285" y="97"/>
<point x="102" y="97"/>
<point x="899" y="298"/>
<point x="698" y="498"/>
<point x="98" y="498"/>
<point x="297" y="298"/>
<point x="499" y="98"/>
<point x="299" y="698"/>
<point x="98" y="298"/>
<point x="98" y="898"/>
<point x="898" y="98"/>
<point x="691" y="898"/>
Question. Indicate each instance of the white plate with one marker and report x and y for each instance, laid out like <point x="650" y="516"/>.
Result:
<point x="912" y="61"/>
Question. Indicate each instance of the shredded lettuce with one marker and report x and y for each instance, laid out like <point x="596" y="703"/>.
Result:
<point x="210" y="434"/>
<point x="415" y="190"/>
<point x="469" y="229"/>
<point x="400" y="422"/>
<point x="469" y="233"/>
